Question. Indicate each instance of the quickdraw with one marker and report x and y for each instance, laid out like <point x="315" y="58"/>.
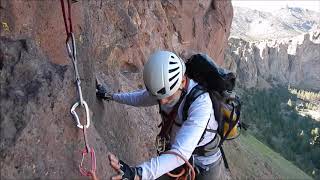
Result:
<point x="72" y="52"/>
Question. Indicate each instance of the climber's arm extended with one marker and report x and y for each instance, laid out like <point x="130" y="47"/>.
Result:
<point x="136" y="98"/>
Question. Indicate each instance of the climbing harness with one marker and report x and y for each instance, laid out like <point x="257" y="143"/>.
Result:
<point x="72" y="52"/>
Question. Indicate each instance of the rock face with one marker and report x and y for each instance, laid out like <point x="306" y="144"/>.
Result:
<point x="293" y="61"/>
<point x="39" y="138"/>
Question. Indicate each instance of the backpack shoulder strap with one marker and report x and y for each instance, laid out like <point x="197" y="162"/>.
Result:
<point x="195" y="92"/>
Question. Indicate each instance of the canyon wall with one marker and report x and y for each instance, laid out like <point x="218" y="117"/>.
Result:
<point x="294" y="61"/>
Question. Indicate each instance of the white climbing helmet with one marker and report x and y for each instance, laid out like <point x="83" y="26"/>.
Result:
<point x="163" y="73"/>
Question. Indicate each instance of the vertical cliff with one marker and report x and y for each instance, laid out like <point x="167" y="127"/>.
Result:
<point x="294" y="61"/>
<point x="39" y="138"/>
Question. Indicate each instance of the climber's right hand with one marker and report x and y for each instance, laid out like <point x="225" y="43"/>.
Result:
<point x="101" y="92"/>
<point x="123" y="169"/>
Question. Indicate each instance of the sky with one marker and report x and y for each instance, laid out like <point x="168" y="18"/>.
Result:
<point x="277" y="4"/>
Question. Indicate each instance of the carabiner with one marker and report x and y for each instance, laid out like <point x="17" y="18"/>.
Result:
<point x="82" y="170"/>
<point x="72" y="49"/>
<point x="76" y="117"/>
<point x="161" y="144"/>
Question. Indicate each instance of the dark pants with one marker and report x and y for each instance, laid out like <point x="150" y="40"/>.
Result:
<point x="216" y="171"/>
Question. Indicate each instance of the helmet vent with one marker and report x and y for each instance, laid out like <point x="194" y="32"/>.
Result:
<point x="172" y="57"/>
<point x="173" y="70"/>
<point x="162" y="91"/>
<point x="174" y="76"/>
<point x="172" y="86"/>
<point x="173" y="62"/>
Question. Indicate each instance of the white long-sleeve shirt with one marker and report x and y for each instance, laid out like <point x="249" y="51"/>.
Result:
<point x="184" y="139"/>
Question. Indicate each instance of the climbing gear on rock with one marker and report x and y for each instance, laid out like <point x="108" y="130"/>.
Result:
<point x="72" y="52"/>
<point x="163" y="73"/>
<point x="127" y="172"/>
<point x="84" y="152"/>
<point x="76" y="117"/>
<point x="103" y="93"/>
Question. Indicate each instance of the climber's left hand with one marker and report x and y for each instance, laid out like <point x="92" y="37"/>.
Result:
<point x="103" y="93"/>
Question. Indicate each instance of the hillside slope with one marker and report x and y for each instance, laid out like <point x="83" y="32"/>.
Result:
<point x="251" y="159"/>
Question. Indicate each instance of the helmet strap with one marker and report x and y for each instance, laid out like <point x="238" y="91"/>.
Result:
<point x="186" y="85"/>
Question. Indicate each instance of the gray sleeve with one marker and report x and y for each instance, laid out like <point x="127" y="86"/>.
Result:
<point x="137" y="98"/>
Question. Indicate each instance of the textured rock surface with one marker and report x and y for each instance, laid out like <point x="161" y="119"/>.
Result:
<point x="293" y="61"/>
<point x="39" y="138"/>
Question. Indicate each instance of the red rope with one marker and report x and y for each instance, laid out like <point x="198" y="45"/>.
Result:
<point x="68" y="30"/>
<point x="69" y="11"/>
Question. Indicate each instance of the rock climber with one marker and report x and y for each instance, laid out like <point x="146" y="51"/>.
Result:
<point x="167" y="86"/>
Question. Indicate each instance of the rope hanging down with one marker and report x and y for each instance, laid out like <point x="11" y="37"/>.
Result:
<point x="72" y="52"/>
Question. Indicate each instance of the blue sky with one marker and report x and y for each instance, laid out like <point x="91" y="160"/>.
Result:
<point x="277" y="4"/>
